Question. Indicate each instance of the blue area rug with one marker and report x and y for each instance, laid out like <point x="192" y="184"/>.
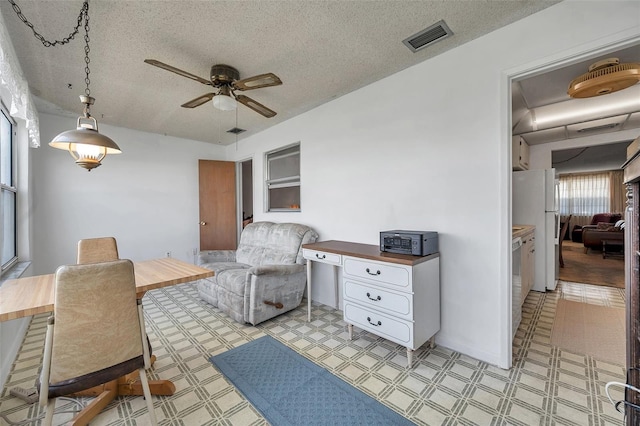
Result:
<point x="288" y="389"/>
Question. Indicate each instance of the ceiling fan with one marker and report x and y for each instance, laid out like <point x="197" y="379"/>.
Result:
<point x="227" y="80"/>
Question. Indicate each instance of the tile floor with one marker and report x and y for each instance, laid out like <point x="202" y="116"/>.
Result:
<point x="546" y="386"/>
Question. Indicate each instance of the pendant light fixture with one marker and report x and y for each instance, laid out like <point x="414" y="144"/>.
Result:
<point x="85" y="144"/>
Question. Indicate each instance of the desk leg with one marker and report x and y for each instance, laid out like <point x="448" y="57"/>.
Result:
<point x="309" y="290"/>
<point x="409" y="357"/>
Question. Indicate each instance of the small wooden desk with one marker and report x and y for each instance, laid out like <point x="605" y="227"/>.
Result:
<point x="28" y="296"/>
<point x="395" y="296"/>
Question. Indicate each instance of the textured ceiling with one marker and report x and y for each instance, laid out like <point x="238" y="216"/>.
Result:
<point x="320" y="49"/>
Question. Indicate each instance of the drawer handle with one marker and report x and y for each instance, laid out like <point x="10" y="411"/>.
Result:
<point x="324" y="256"/>
<point x="377" y="299"/>
<point x="377" y="325"/>
<point x="371" y="273"/>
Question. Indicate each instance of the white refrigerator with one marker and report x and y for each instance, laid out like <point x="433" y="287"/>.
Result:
<point x="535" y="202"/>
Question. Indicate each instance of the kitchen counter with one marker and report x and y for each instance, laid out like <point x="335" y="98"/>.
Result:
<point x="522" y="230"/>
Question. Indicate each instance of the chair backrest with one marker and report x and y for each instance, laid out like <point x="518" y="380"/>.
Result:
<point x="563" y="230"/>
<point x="96" y="321"/>
<point x="94" y="250"/>
<point x="268" y="243"/>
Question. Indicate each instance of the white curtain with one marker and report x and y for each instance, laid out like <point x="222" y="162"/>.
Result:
<point x="585" y="194"/>
<point x="12" y="80"/>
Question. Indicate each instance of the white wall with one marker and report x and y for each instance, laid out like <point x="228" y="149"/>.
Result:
<point x="146" y="197"/>
<point x="429" y="148"/>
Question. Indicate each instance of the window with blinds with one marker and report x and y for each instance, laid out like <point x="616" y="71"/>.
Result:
<point x="282" y="182"/>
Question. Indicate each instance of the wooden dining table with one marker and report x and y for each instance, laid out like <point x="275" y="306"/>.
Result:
<point x="23" y="297"/>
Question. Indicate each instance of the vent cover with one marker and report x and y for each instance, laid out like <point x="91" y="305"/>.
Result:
<point x="236" y="130"/>
<point x="424" y="38"/>
<point x="602" y="127"/>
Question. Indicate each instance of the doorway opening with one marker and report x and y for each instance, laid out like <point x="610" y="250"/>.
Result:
<point x="532" y="95"/>
<point x="245" y="194"/>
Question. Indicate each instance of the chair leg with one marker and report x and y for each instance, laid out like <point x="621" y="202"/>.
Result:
<point x="48" y="418"/>
<point x="147" y="396"/>
<point x="109" y="393"/>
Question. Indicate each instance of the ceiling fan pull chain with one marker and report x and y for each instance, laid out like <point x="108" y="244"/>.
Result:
<point x="83" y="13"/>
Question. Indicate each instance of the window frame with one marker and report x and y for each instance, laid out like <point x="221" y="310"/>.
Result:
<point x="13" y="188"/>
<point x="292" y="181"/>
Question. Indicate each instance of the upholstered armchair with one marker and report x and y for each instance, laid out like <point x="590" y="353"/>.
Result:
<point x="264" y="277"/>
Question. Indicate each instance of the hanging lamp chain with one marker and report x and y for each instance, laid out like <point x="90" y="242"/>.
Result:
<point x="83" y="16"/>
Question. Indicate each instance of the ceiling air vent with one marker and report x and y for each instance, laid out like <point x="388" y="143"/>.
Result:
<point x="603" y="127"/>
<point x="236" y="130"/>
<point x="435" y="32"/>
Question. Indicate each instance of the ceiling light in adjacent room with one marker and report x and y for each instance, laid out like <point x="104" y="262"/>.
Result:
<point x="604" y="77"/>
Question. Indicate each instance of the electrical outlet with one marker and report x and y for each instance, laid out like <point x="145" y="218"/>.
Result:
<point x="168" y="254"/>
<point x="195" y="251"/>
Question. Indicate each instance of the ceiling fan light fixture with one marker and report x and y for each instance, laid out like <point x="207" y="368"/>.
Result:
<point x="225" y="78"/>
<point x="224" y="102"/>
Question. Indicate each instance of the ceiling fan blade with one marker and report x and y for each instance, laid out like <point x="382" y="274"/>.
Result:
<point x="198" y="101"/>
<point x="177" y="71"/>
<point x="257" y="81"/>
<point x="256" y="106"/>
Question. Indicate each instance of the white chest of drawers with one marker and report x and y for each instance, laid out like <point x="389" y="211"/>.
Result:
<point x="396" y="297"/>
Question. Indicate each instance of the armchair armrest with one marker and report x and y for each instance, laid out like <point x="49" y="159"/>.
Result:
<point x="276" y="269"/>
<point x="211" y="256"/>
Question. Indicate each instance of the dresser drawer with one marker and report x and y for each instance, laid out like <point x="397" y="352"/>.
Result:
<point x="390" y="328"/>
<point x="378" y="298"/>
<point x="321" y="256"/>
<point x="394" y="276"/>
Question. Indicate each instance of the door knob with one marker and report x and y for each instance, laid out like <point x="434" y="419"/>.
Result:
<point x="203" y="223"/>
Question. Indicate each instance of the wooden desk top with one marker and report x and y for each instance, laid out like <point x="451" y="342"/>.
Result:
<point x="367" y="251"/>
<point x="28" y="296"/>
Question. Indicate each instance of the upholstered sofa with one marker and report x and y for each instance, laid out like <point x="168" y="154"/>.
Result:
<point x="576" y="233"/>
<point x="265" y="277"/>
<point x="593" y="235"/>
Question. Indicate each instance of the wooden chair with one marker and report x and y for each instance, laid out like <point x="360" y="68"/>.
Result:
<point x="94" y="250"/>
<point x="95" y="336"/>
<point x="563" y="233"/>
<point x="105" y="249"/>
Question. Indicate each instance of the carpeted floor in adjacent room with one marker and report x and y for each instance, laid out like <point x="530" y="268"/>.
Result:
<point x="547" y="384"/>
<point x="590" y="268"/>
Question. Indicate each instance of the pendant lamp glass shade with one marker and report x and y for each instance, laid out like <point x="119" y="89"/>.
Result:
<point x="85" y="144"/>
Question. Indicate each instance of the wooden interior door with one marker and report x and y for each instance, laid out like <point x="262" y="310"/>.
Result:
<point x="218" y="217"/>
